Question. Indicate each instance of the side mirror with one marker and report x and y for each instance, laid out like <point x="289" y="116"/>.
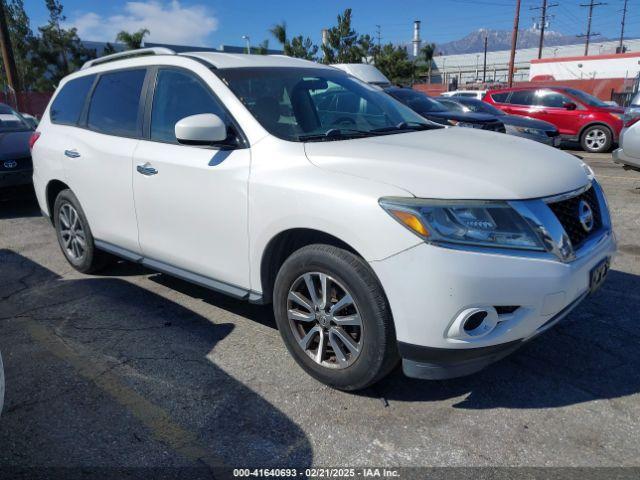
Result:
<point x="202" y="129"/>
<point x="569" y="105"/>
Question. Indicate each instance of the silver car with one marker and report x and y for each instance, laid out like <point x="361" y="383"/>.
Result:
<point x="628" y="155"/>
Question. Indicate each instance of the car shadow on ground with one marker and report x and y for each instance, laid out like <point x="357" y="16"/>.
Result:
<point x="18" y="202"/>
<point x="592" y="354"/>
<point x="100" y="370"/>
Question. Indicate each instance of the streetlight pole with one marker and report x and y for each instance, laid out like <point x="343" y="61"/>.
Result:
<point x="248" y="40"/>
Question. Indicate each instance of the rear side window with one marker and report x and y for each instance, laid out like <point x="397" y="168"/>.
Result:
<point x="522" y="97"/>
<point x="115" y="103"/>
<point x="67" y="106"/>
<point x="500" y="97"/>
<point x="179" y="94"/>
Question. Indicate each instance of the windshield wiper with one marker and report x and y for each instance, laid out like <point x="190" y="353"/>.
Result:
<point x="404" y="126"/>
<point x="335" y="134"/>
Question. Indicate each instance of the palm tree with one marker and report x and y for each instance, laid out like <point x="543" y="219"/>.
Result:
<point x="279" y="31"/>
<point x="134" y="40"/>
<point x="428" y="51"/>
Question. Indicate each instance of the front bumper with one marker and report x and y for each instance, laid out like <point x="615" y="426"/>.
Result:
<point x="14" y="179"/>
<point x="429" y="286"/>
<point x="621" y="158"/>
<point x="545" y="139"/>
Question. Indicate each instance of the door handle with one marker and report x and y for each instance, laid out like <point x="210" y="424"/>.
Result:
<point x="71" y="153"/>
<point x="146" y="169"/>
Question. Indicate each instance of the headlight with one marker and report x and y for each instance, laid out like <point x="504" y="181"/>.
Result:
<point x="468" y="222"/>
<point x="530" y="131"/>
<point x="458" y="123"/>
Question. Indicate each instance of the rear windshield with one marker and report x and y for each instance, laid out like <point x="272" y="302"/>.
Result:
<point x="11" y="121"/>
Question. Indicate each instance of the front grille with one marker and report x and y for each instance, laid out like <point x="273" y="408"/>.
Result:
<point x="567" y="213"/>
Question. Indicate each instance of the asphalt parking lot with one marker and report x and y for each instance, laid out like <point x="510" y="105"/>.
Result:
<point x="137" y="369"/>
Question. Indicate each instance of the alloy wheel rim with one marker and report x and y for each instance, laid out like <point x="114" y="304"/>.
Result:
<point x="325" y="320"/>
<point x="596" y="139"/>
<point x="74" y="240"/>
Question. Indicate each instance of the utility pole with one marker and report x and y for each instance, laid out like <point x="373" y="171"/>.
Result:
<point x="484" y="67"/>
<point x="378" y="35"/>
<point x="7" y="56"/>
<point x="543" y="22"/>
<point x="514" y="42"/>
<point x="624" y="18"/>
<point x="588" y="35"/>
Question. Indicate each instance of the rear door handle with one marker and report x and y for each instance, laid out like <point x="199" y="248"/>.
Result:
<point x="71" y="153"/>
<point x="146" y="169"/>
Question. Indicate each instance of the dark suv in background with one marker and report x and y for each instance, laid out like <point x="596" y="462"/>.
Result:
<point x="435" y="111"/>
<point x="578" y="115"/>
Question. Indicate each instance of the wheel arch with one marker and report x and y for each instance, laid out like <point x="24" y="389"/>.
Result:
<point x="282" y="245"/>
<point x="595" y="124"/>
<point x="54" y="187"/>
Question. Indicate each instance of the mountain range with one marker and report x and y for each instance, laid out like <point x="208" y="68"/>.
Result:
<point x="501" y="40"/>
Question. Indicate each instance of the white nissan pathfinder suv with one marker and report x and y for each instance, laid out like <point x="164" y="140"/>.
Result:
<point x="377" y="235"/>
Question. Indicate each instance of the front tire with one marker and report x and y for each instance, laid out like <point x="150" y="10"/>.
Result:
<point x="74" y="235"/>
<point x="596" y="139"/>
<point x="334" y="318"/>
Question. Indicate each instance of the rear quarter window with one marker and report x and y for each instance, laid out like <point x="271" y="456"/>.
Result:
<point x="67" y="106"/>
<point x="500" y="97"/>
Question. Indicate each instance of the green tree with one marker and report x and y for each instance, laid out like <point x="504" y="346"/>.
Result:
<point x="261" y="49"/>
<point x="57" y="51"/>
<point x="395" y="64"/>
<point x="134" y="40"/>
<point x="279" y="32"/>
<point x="298" y="47"/>
<point x="344" y="45"/>
<point x="22" y="40"/>
<point x="428" y="51"/>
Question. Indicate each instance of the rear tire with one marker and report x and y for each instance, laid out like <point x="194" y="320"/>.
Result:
<point x="74" y="234"/>
<point x="352" y="321"/>
<point x="596" y="139"/>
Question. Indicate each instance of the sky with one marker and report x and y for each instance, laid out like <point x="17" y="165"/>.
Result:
<point x="216" y="22"/>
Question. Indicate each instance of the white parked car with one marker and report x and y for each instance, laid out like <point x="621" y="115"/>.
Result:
<point x="376" y="236"/>
<point x="477" y="94"/>
<point x="628" y="154"/>
<point x="366" y="72"/>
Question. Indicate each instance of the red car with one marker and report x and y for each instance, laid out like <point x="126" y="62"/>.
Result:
<point x="577" y="115"/>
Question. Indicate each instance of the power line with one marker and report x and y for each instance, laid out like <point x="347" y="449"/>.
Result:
<point x="589" y="34"/>
<point x="543" y="22"/>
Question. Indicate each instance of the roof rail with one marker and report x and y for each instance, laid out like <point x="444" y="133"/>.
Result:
<point x="128" y="54"/>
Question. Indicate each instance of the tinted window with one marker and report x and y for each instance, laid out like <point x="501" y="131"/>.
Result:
<point x="549" y="98"/>
<point x="522" y="97"/>
<point x="179" y="94"/>
<point x="500" y="97"/>
<point x="11" y="121"/>
<point x="115" y="103"/>
<point x="586" y="98"/>
<point x="479" y="106"/>
<point x="453" y="106"/>
<point x="67" y="106"/>
<point x="417" y="101"/>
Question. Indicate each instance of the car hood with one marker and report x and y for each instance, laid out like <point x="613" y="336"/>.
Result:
<point x="528" y="122"/>
<point x="461" y="116"/>
<point x="453" y="163"/>
<point x="14" y="144"/>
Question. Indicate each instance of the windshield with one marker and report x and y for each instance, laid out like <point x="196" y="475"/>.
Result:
<point x="586" y="98"/>
<point x="417" y="101"/>
<point x="479" y="106"/>
<point x="309" y="104"/>
<point x="11" y="121"/>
